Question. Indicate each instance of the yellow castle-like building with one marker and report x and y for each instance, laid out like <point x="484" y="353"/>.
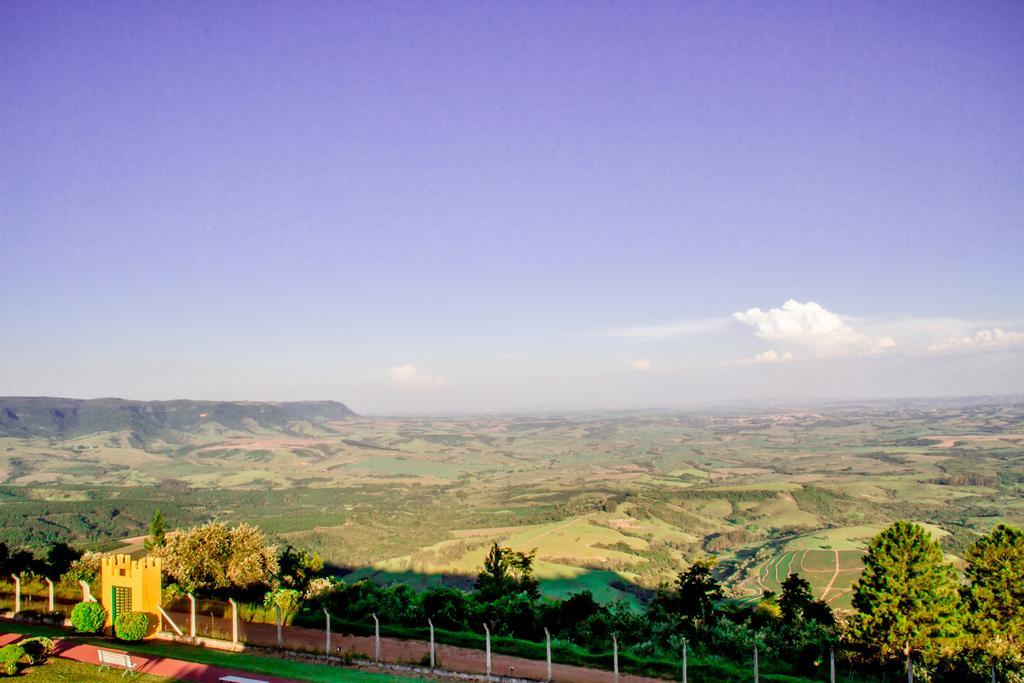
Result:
<point x="129" y="585"/>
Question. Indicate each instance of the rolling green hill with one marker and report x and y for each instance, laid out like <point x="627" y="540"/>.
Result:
<point x="617" y="502"/>
<point x="145" y="421"/>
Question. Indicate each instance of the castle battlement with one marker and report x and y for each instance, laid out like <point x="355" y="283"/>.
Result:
<point x="129" y="585"/>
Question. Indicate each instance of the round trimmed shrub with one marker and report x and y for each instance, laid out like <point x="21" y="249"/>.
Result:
<point x="10" y="657"/>
<point x="131" y="625"/>
<point x="88" y="617"/>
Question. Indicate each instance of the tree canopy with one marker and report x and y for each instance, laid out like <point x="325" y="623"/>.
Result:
<point x="907" y="597"/>
<point x="157" y="531"/>
<point x="507" y="572"/>
<point x="215" y="556"/>
<point x="995" y="571"/>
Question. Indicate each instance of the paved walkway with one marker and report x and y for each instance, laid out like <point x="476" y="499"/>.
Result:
<point x="175" y="669"/>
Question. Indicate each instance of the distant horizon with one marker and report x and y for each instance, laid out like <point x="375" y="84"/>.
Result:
<point x="463" y="207"/>
<point x="795" y="403"/>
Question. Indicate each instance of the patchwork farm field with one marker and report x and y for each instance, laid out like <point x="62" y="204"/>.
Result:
<point x="617" y="503"/>
<point x="830" y="573"/>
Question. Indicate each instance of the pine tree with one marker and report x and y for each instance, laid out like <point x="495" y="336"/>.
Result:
<point x="796" y="597"/>
<point x="995" y="570"/>
<point x="157" y="531"/>
<point x="907" y="596"/>
<point x="798" y="603"/>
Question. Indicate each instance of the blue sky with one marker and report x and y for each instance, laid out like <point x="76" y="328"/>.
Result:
<point x="493" y="206"/>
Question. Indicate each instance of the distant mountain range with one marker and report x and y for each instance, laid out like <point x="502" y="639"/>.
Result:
<point x="68" y="418"/>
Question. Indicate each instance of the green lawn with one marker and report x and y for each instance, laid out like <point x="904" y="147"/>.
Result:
<point x="56" y="670"/>
<point x="243" y="661"/>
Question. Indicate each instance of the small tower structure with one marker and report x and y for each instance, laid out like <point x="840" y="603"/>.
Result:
<point x="131" y="586"/>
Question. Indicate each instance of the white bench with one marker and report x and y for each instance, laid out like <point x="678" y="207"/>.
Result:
<point x="119" y="659"/>
<point x="239" y="679"/>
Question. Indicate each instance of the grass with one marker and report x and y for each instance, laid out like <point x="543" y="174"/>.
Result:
<point x="242" y="661"/>
<point x="57" y="670"/>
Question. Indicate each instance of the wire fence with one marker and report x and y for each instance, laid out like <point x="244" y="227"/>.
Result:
<point x="35" y="598"/>
<point x="471" y="653"/>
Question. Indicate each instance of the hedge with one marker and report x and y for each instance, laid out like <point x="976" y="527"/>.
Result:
<point x="131" y="625"/>
<point x="10" y="657"/>
<point x="88" y="617"/>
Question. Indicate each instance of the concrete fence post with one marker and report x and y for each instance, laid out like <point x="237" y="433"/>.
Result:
<point x="280" y="636"/>
<point x="376" y="638"/>
<point x="164" y="616"/>
<point x="615" y="657"/>
<point x="17" y="593"/>
<point x="86" y="593"/>
<point x="488" y="636"/>
<point x="234" y="620"/>
<point x="547" y="638"/>
<point x="684" y="660"/>
<point x="432" y="659"/>
<point x="327" y="642"/>
<point x="191" y="615"/>
<point x="49" y="585"/>
<point x="757" y="675"/>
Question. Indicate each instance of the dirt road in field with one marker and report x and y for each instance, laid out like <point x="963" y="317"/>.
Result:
<point x="835" y="575"/>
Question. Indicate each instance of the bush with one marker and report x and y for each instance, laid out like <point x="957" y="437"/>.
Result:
<point x="288" y="599"/>
<point x="86" y="568"/>
<point x="37" y="649"/>
<point x="88" y="617"/>
<point x="10" y="657"/>
<point x="131" y="625"/>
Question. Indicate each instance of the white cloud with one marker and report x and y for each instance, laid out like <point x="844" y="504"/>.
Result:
<point x="814" y="328"/>
<point x="641" y="364"/>
<point x="408" y="376"/>
<point x="670" y="330"/>
<point x="769" y="356"/>
<point x="995" y="338"/>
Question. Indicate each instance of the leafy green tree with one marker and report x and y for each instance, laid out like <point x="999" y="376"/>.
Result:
<point x="796" y="597"/>
<point x="507" y="572"/>
<point x="449" y="608"/>
<point x="565" y="617"/>
<point x="798" y="603"/>
<point x="252" y="561"/>
<point x="23" y="562"/>
<point x="995" y="570"/>
<point x="59" y="559"/>
<point x="85" y="568"/>
<point x="514" y="614"/>
<point x="288" y="600"/>
<point x="157" y="531"/>
<point x="297" y="567"/>
<point x="699" y="590"/>
<point x="907" y="596"/>
<point x="214" y="557"/>
<point x="767" y="610"/>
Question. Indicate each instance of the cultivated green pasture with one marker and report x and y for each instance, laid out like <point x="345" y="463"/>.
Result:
<point x="605" y="499"/>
